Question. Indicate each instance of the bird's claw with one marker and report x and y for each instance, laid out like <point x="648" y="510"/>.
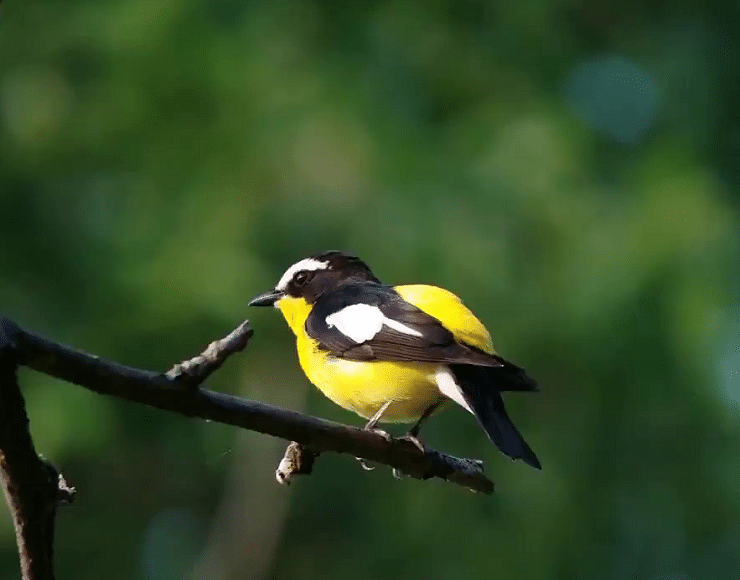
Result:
<point x="410" y="437"/>
<point x="418" y="443"/>
<point x="364" y="464"/>
<point x="384" y="434"/>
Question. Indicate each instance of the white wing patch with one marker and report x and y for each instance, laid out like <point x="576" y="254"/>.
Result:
<point x="361" y="322"/>
<point x="449" y="387"/>
<point x="307" y="264"/>
<point x="400" y="326"/>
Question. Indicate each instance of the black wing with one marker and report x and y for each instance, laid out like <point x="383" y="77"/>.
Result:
<point x="425" y="339"/>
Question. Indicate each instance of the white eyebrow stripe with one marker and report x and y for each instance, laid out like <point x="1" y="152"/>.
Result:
<point x="361" y="322"/>
<point x="307" y="264"/>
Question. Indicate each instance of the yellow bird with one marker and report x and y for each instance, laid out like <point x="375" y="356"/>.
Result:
<point x="395" y="353"/>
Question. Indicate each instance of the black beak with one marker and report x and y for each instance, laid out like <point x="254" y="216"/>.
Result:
<point x="267" y="299"/>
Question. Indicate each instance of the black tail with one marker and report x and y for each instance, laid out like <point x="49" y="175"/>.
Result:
<point x="481" y="388"/>
<point x="511" y="377"/>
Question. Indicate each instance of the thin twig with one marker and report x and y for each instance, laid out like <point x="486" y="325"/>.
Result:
<point x="197" y="369"/>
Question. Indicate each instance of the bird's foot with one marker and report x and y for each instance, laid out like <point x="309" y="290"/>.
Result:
<point x="384" y="434"/>
<point x="418" y="443"/>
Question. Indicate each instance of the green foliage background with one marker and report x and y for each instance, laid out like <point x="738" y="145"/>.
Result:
<point x="569" y="168"/>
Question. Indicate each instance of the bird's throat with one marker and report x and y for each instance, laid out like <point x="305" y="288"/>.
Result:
<point x="295" y="311"/>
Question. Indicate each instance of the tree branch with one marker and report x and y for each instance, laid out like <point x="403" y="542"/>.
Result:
<point x="168" y="391"/>
<point x="34" y="488"/>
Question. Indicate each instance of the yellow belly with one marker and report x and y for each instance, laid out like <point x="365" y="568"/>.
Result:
<point x="363" y="387"/>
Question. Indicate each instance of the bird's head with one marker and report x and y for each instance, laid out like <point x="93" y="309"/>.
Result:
<point x="311" y="277"/>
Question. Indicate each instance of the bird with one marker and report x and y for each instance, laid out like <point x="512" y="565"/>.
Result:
<point x="396" y="354"/>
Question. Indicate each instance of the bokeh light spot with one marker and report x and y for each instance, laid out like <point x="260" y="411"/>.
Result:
<point x="615" y="96"/>
<point x="730" y="368"/>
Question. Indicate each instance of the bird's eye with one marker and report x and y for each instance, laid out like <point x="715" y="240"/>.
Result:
<point x="302" y="277"/>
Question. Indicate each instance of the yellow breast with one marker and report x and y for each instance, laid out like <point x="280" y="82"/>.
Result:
<point x="363" y="387"/>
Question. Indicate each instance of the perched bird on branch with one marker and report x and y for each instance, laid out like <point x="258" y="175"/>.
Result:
<point x="395" y="353"/>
